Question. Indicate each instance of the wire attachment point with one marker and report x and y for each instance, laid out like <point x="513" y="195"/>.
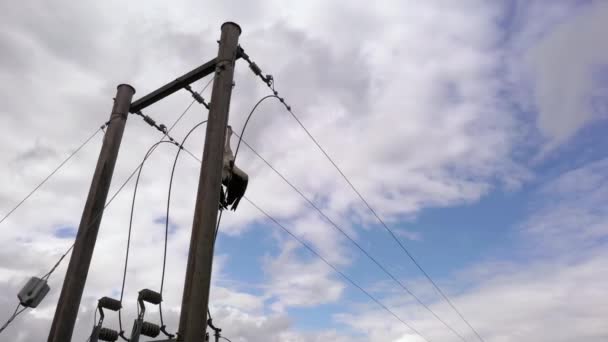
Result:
<point x="197" y="96"/>
<point x="164" y="331"/>
<point x="268" y="79"/>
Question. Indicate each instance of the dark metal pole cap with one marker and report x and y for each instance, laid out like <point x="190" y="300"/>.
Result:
<point x="232" y="23"/>
<point x="126" y="85"/>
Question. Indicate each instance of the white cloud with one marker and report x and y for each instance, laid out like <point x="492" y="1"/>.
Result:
<point x="551" y="290"/>
<point x="545" y="300"/>
<point x="297" y="283"/>
<point x="576" y="215"/>
<point x="562" y="60"/>
<point x="406" y="97"/>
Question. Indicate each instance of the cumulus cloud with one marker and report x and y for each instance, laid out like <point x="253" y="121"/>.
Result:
<point x="407" y="96"/>
<point x="296" y="283"/>
<point x="564" y="66"/>
<point x="546" y="300"/>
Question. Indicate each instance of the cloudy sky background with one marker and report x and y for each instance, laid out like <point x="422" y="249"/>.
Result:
<point x="474" y="128"/>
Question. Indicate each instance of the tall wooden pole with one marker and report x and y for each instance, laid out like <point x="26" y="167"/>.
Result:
<point x="193" y="318"/>
<point x="78" y="269"/>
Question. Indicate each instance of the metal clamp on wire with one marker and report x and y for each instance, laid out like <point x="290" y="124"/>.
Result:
<point x="33" y="292"/>
<point x="141" y="327"/>
<point x="215" y="329"/>
<point x="254" y="67"/>
<point x="197" y="96"/>
<point x="100" y="333"/>
<point x="160" y="127"/>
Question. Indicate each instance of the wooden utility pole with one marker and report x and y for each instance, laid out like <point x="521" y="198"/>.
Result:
<point x="193" y="318"/>
<point x="76" y="276"/>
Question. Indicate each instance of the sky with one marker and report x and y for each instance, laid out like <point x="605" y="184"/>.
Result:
<point x="473" y="128"/>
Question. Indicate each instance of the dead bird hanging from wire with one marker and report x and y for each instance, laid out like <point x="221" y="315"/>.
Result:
<point x="234" y="179"/>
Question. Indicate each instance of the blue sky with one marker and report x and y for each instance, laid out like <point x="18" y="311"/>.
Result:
<point x="475" y="130"/>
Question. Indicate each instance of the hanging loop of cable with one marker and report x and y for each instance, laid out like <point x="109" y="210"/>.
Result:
<point x="326" y="262"/>
<point x="47" y="275"/>
<point x="237" y="152"/>
<point x="238" y="145"/>
<point x="354" y="242"/>
<point x="162" y="280"/>
<point x="369" y="207"/>
<point x="165" y="134"/>
<point x="405" y="288"/>
<point x="124" y="276"/>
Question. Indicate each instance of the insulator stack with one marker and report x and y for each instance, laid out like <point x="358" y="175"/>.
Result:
<point x="150" y="329"/>
<point x="150" y="296"/>
<point x="141" y="327"/>
<point x="106" y="334"/>
<point x="100" y="333"/>
<point x="109" y="303"/>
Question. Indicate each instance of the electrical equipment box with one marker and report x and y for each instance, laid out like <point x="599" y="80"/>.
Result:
<point x="33" y="292"/>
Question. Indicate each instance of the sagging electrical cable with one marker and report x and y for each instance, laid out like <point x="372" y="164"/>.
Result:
<point x="166" y="131"/>
<point x="234" y="196"/>
<point x="37" y="187"/>
<point x="177" y="154"/>
<point x="197" y="98"/>
<point x="124" y="276"/>
<point x="167" y="215"/>
<point x="335" y="269"/>
<point x="354" y="242"/>
<point x="269" y="81"/>
<point x="16" y="313"/>
<point x="47" y="275"/>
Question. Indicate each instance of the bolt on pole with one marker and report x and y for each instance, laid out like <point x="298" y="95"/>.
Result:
<point x="193" y="317"/>
<point x="78" y="269"/>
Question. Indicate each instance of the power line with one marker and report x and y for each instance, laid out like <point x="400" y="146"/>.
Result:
<point x="181" y="147"/>
<point x="389" y="230"/>
<point x="310" y="202"/>
<point x="165" y="131"/>
<point x="337" y="227"/>
<point x="124" y="275"/>
<point x="197" y="98"/>
<point x="16" y="313"/>
<point x="122" y="186"/>
<point x="269" y="81"/>
<point x="219" y="220"/>
<point x="53" y="172"/>
<point x="347" y="278"/>
<point x="147" y="119"/>
<point x="52" y="270"/>
<point x="238" y="145"/>
<point x="162" y="128"/>
<point x="172" y="177"/>
<point x="119" y="189"/>
<point x="329" y="264"/>
<point x="47" y="275"/>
